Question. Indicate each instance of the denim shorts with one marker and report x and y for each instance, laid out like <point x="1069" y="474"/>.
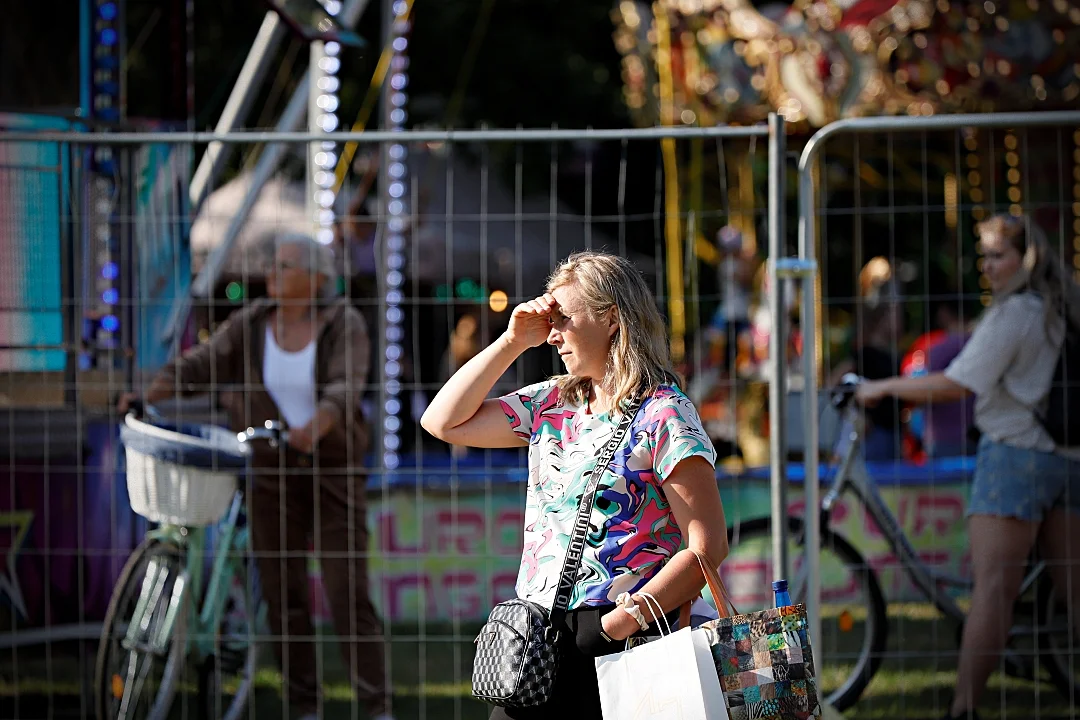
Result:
<point x="1022" y="483"/>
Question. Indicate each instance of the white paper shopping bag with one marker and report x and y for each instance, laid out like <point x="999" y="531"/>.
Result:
<point x="670" y="678"/>
<point x="711" y="691"/>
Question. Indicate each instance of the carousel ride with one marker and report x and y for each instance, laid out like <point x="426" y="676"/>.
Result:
<point x="817" y="61"/>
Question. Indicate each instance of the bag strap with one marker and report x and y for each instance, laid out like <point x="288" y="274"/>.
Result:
<point x="721" y="596"/>
<point x="574" y="551"/>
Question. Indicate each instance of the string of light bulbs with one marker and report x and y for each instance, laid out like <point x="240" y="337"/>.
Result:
<point x="397" y="212"/>
<point x="325" y="86"/>
<point x="105" y="243"/>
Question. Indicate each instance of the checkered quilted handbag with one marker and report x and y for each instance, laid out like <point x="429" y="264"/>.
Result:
<point x="517" y="651"/>
<point x="763" y="659"/>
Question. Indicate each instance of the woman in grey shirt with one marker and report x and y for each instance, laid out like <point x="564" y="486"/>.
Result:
<point x="1023" y="483"/>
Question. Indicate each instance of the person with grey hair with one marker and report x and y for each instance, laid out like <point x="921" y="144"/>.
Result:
<point x="312" y="256"/>
<point x="300" y="356"/>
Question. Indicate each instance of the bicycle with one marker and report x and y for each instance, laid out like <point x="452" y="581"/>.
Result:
<point x="857" y="606"/>
<point x="185" y="478"/>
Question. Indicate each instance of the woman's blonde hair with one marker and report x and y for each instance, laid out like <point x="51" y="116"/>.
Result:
<point x="639" y="359"/>
<point x="1043" y="271"/>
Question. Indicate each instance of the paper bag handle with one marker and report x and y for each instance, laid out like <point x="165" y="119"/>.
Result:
<point x="720" y="594"/>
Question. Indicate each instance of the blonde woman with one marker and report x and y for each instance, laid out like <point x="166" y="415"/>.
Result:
<point x="661" y="496"/>
<point x="1025" y="488"/>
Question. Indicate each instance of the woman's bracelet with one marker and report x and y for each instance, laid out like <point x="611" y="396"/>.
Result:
<point x="626" y="602"/>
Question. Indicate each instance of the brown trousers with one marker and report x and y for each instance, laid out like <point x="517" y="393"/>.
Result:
<point x="290" y="508"/>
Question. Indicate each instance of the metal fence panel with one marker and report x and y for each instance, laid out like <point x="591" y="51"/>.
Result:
<point x="887" y="208"/>
<point x="485" y="217"/>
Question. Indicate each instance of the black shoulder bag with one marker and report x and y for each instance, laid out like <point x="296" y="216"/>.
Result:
<point x="517" y="649"/>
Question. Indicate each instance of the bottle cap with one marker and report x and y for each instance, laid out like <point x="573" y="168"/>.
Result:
<point x="779" y="585"/>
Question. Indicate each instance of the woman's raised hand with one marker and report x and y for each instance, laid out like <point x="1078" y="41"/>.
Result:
<point x="531" y="321"/>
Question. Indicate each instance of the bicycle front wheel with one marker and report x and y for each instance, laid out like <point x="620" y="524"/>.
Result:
<point x="142" y="649"/>
<point x="854" y="622"/>
<point x="227" y="675"/>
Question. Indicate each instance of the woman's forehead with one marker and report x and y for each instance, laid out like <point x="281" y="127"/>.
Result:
<point x="567" y="296"/>
<point x="290" y="253"/>
<point x="287" y="250"/>
<point x="993" y="240"/>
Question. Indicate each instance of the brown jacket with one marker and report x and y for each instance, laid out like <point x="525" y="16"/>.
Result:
<point x="231" y="364"/>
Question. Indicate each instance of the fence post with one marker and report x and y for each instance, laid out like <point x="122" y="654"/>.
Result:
<point x="777" y="349"/>
<point x="808" y="323"/>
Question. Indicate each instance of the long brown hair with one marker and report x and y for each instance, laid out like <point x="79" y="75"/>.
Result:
<point x="639" y="359"/>
<point x="1045" y="274"/>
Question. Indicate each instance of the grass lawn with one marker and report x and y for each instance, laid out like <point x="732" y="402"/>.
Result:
<point x="431" y="676"/>
<point x="917" y="676"/>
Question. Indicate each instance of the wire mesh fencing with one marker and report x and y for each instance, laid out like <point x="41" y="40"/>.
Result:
<point x="433" y="239"/>
<point x="925" y="230"/>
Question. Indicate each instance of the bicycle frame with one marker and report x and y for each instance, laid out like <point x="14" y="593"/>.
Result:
<point x="853" y="476"/>
<point x="201" y="634"/>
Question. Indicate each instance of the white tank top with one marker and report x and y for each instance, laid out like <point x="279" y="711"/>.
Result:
<point x="289" y="377"/>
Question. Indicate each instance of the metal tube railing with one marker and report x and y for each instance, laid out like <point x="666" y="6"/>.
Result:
<point x="777" y="348"/>
<point x="381" y="136"/>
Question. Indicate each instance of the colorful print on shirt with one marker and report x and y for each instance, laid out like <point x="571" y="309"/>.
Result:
<point x="632" y="531"/>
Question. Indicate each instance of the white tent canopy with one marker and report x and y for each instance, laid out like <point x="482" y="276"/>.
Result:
<point x="279" y="208"/>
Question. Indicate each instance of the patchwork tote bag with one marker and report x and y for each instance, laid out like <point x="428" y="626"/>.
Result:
<point x="763" y="659"/>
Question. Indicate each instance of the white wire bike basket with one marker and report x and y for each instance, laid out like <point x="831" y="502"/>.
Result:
<point x="181" y="474"/>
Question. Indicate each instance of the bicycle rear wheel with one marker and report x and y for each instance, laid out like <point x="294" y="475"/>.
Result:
<point x="1059" y="654"/>
<point x="853" y="612"/>
<point x="138" y="668"/>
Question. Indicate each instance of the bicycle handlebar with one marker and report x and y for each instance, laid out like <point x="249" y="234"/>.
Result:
<point x="272" y="431"/>
<point x="142" y="409"/>
<point x="844" y="393"/>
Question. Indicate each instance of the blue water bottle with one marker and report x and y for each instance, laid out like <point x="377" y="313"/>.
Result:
<point x="780" y="593"/>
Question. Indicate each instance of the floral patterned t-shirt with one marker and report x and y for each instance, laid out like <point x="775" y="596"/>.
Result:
<point x="632" y="531"/>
